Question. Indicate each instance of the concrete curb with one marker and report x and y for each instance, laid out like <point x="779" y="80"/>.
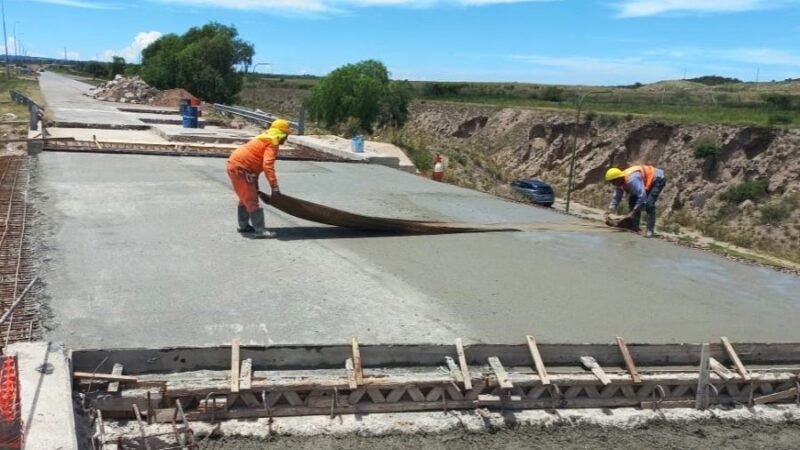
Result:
<point x="45" y="377"/>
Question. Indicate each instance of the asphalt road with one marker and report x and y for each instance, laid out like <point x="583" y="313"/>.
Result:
<point x="141" y="251"/>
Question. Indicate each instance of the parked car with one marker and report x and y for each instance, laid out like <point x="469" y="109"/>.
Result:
<point x="537" y="191"/>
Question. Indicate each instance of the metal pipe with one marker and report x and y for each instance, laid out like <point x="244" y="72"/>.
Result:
<point x="18" y="301"/>
<point x="575" y="146"/>
<point x="254" y="84"/>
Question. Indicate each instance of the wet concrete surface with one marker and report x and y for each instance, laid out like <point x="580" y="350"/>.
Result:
<point x="685" y="436"/>
<point x="67" y="103"/>
<point x="143" y="253"/>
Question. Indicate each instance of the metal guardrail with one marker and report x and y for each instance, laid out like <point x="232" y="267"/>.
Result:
<point x="36" y="111"/>
<point x="260" y="118"/>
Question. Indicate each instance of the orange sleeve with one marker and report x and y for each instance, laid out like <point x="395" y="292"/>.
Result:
<point x="270" y="155"/>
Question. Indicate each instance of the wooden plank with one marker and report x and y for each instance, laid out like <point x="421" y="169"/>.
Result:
<point x="357" y="368"/>
<point x="626" y="355"/>
<point x="104" y="377"/>
<point x="776" y="397"/>
<point x="235" y="365"/>
<point x="114" y="385"/>
<point x="462" y="362"/>
<point x="502" y="376"/>
<point x="720" y="370"/>
<point x="246" y="377"/>
<point x="537" y="360"/>
<point x="591" y="364"/>
<point x="455" y="371"/>
<point x="703" y="380"/>
<point x="351" y="374"/>
<point x="735" y="358"/>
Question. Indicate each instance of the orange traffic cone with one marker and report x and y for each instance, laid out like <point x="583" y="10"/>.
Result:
<point x="10" y="423"/>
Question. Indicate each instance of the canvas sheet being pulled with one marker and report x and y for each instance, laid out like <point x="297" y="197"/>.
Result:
<point x="330" y="216"/>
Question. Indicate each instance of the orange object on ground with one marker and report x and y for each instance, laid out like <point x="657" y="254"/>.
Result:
<point x="438" y="168"/>
<point x="10" y="407"/>
<point x="245" y="184"/>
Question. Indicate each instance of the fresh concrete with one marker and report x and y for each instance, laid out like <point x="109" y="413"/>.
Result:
<point x="46" y="390"/>
<point x="144" y="253"/>
<point x="67" y="103"/>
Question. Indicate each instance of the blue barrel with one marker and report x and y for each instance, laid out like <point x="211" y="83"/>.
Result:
<point x="190" y="117"/>
<point x="357" y="144"/>
<point x="184" y="105"/>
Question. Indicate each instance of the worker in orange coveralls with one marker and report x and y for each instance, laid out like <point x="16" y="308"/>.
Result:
<point x="244" y="167"/>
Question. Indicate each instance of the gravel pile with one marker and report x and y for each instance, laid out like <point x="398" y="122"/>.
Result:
<point x="126" y="90"/>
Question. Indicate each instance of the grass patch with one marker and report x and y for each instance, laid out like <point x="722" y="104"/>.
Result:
<point x="775" y="212"/>
<point x="706" y="147"/>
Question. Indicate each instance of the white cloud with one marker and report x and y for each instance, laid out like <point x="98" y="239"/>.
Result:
<point x="284" y="7"/>
<point x="644" y="8"/>
<point x="764" y="56"/>
<point x="77" y="4"/>
<point x="131" y="53"/>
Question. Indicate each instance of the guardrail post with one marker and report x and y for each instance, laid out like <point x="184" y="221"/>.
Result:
<point x="301" y="121"/>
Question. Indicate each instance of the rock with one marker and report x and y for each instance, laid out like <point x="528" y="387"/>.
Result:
<point x="746" y="205"/>
<point x="118" y="77"/>
<point x="129" y="95"/>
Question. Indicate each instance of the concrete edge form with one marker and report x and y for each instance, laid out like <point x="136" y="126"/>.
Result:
<point x="300" y="357"/>
<point x="46" y="390"/>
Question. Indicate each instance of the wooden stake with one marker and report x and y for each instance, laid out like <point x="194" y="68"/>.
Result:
<point x="357" y="368"/>
<point x="455" y="371"/>
<point x="104" y="377"/>
<point x="247" y="374"/>
<point x="116" y="371"/>
<point x="235" y="365"/>
<point x="502" y="376"/>
<point x="351" y="374"/>
<point x="720" y="370"/>
<point x="537" y="360"/>
<point x="591" y="364"/>
<point x="462" y="361"/>
<point x="626" y="355"/>
<point x="704" y="378"/>
<point x="735" y="358"/>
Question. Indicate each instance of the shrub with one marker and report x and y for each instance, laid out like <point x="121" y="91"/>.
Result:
<point x="774" y="212"/>
<point x="706" y="147"/>
<point x="607" y="120"/>
<point x="778" y="101"/>
<point x="552" y="94"/>
<point x="750" y="190"/>
<point x="628" y="117"/>
<point x="590" y="116"/>
<point x="779" y="119"/>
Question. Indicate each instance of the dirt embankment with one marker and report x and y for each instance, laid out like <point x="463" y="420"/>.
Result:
<point x="746" y="191"/>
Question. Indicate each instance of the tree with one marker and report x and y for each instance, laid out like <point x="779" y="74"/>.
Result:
<point x="117" y="66"/>
<point x="97" y="69"/>
<point x="361" y="95"/>
<point x="203" y="61"/>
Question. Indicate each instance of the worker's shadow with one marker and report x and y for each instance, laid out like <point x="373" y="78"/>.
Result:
<point x="323" y="233"/>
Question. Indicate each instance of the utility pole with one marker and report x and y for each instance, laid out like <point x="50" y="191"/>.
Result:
<point x="5" y="38"/>
<point x="575" y="145"/>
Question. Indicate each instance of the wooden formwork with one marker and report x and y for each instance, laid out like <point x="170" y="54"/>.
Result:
<point x="380" y="379"/>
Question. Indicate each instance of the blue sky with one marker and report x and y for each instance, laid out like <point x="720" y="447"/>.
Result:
<point x="556" y="41"/>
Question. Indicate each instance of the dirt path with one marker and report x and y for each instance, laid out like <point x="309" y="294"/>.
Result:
<point x="695" y="435"/>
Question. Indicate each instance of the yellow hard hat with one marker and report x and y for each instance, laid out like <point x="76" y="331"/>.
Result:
<point x="282" y="125"/>
<point x="614" y="174"/>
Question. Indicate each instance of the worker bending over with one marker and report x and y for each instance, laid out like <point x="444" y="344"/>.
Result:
<point x="245" y="166"/>
<point x="643" y="185"/>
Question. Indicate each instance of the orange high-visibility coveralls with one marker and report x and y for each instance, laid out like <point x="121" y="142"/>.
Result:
<point x="248" y="161"/>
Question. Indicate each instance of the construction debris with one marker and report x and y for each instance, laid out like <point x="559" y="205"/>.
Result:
<point x="126" y="90"/>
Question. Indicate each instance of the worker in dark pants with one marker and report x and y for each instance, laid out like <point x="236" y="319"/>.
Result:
<point x="643" y="184"/>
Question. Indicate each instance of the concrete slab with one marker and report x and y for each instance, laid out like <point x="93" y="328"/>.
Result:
<point x="67" y="103"/>
<point x="340" y="148"/>
<point x="144" y="253"/>
<point x="176" y="133"/>
<point x="373" y="151"/>
<point x="88" y="134"/>
<point x="46" y="389"/>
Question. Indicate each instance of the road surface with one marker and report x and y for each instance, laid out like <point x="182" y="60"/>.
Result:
<point x="142" y="252"/>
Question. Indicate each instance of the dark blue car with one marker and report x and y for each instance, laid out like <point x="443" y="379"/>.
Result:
<point x="536" y="191"/>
